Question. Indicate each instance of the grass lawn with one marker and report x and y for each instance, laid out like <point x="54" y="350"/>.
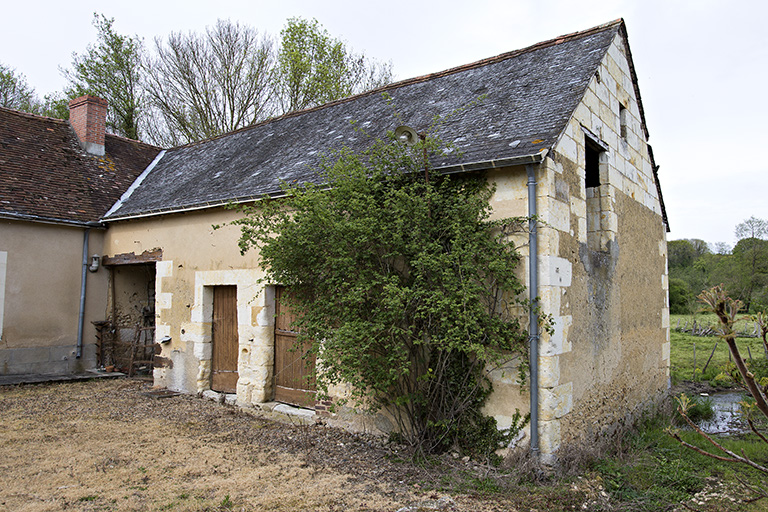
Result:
<point x="688" y="349"/>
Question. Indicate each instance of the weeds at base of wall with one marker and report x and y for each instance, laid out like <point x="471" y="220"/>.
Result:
<point x="651" y="471"/>
<point x="636" y="467"/>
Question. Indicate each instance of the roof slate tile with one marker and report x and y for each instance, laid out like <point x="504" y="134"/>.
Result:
<point x="527" y="98"/>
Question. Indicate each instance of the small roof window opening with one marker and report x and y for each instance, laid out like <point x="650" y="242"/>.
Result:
<point x="623" y="120"/>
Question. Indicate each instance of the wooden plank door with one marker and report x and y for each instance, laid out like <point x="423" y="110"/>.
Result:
<point x="225" y="340"/>
<point x="294" y="365"/>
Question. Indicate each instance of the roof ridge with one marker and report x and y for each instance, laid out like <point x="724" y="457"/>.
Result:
<point x="38" y="117"/>
<point x="425" y="78"/>
<point x="510" y="54"/>
<point x="30" y="115"/>
<point x="128" y="139"/>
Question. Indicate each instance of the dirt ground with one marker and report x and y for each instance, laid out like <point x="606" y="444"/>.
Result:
<point x="109" y="445"/>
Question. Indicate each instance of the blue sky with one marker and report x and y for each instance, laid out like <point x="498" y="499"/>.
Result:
<point x="702" y="67"/>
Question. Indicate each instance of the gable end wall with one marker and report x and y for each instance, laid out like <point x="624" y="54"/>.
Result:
<point x="603" y="271"/>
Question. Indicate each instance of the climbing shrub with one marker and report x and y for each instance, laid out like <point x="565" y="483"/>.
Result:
<point x="405" y="285"/>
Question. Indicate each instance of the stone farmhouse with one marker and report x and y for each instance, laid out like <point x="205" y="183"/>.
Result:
<point x="57" y="180"/>
<point x="558" y="127"/>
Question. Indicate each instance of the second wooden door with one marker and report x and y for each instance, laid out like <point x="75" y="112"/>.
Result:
<point x="294" y="364"/>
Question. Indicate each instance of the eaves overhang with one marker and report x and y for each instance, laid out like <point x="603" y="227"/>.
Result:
<point x="486" y="165"/>
<point x="51" y="220"/>
<point x="533" y="158"/>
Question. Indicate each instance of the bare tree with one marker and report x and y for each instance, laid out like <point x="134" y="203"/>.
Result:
<point x="201" y="86"/>
<point x="721" y="248"/>
<point x="752" y="228"/>
<point x="751" y="258"/>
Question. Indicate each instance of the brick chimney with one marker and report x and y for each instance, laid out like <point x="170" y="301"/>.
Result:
<point x="88" y="117"/>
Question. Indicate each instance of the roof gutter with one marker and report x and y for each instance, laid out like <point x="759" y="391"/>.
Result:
<point x="193" y="208"/>
<point x="533" y="158"/>
<point x="51" y="220"/>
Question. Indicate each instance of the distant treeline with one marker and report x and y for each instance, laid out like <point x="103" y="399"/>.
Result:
<point x="743" y="271"/>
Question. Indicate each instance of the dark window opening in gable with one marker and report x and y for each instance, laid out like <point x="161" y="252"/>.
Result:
<point x="592" y="153"/>
<point x="623" y="120"/>
<point x="597" y="191"/>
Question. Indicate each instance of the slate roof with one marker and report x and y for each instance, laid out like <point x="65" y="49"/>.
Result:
<point x="46" y="176"/>
<point x="529" y="95"/>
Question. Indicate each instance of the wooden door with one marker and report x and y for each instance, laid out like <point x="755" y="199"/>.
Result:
<point x="225" y="340"/>
<point x="294" y="383"/>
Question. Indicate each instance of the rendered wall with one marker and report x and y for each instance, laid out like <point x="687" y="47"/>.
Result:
<point x="195" y="258"/>
<point x="510" y="200"/>
<point x="40" y="285"/>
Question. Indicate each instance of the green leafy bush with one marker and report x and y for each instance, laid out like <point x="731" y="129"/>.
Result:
<point x="680" y="297"/>
<point x="404" y="282"/>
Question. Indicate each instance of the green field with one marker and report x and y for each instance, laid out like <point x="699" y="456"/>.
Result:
<point x="689" y="351"/>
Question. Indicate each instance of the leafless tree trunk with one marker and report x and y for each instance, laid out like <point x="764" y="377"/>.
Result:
<point x="201" y="86"/>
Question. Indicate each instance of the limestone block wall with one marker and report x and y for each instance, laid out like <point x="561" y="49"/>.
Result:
<point x="602" y="269"/>
<point x="255" y="314"/>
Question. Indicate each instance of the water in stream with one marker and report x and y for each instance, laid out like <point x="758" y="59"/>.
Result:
<point x="727" y="419"/>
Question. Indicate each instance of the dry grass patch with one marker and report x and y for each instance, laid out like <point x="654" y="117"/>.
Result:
<point x="104" y="445"/>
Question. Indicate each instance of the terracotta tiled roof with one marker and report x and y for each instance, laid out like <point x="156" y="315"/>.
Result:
<point x="45" y="175"/>
<point x="527" y="98"/>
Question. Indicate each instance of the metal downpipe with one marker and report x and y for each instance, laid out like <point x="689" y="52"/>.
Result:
<point x="533" y="289"/>
<point x="83" y="278"/>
